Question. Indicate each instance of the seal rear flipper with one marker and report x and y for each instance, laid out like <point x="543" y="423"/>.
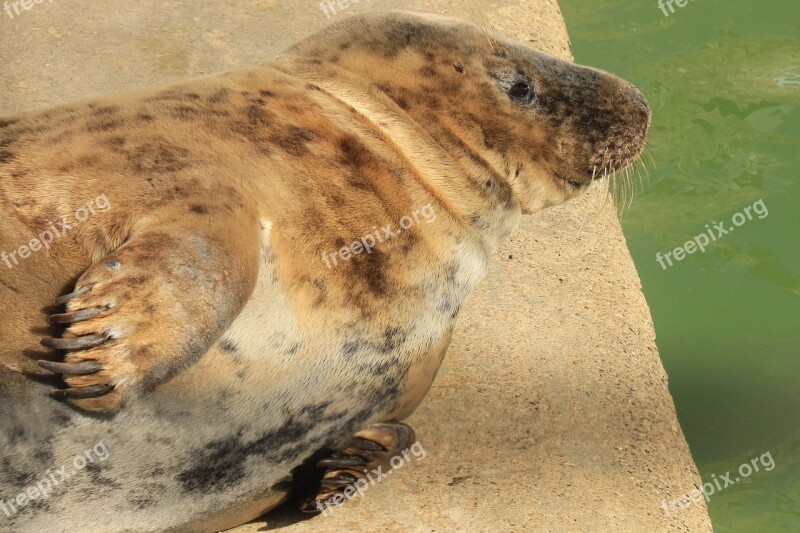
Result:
<point x="351" y="469"/>
<point x="156" y="304"/>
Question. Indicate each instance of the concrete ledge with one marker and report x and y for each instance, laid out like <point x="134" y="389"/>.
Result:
<point x="551" y="412"/>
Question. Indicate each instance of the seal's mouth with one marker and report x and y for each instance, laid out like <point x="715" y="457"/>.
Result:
<point x="604" y="166"/>
<point x="603" y="170"/>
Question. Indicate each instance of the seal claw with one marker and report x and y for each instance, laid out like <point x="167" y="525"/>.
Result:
<point x="76" y="316"/>
<point x="372" y="448"/>
<point x="360" y="443"/>
<point x="92" y="391"/>
<point x="342" y="462"/>
<point x="67" y="297"/>
<point x="78" y="343"/>
<point x="342" y="479"/>
<point x="73" y="369"/>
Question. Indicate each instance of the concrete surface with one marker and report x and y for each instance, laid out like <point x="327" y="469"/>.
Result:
<point x="551" y="412"/>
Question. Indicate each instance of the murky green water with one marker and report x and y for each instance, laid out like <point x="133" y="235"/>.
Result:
<point x="723" y="78"/>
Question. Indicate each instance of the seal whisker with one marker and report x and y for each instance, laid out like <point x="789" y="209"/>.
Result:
<point x="647" y="174"/>
<point x="631" y="185"/>
<point x="614" y="189"/>
<point x="594" y="174"/>
<point x="623" y="190"/>
<point x="481" y="26"/>
<point x="639" y="174"/>
<point x="649" y="153"/>
<point x="598" y="208"/>
<point x="629" y="178"/>
<point x="626" y="176"/>
<point x="636" y="174"/>
<point x="606" y="195"/>
<point x="580" y="228"/>
<point x="601" y="184"/>
<point x="588" y="210"/>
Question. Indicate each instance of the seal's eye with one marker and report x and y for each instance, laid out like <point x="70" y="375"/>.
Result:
<point x="520" y="90"/>
<point x="517" y="86"/>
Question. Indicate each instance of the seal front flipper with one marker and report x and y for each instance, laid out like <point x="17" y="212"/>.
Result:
<point x="156" y="304"/>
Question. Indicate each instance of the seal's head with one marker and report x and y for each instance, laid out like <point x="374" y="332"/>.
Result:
<point x="543" y="127"/>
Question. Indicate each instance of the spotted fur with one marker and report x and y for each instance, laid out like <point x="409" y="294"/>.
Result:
<point x="233" y="351"/>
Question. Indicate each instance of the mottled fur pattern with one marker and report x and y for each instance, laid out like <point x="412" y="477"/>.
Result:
<point x="234" y="351"/>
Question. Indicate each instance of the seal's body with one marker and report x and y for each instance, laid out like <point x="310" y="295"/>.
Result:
<point x="262" y="262"/>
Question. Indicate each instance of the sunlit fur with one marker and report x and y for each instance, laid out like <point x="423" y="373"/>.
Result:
<point x="235" y="351"/>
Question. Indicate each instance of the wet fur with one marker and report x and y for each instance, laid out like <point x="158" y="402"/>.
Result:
<point x="237" y="352"/>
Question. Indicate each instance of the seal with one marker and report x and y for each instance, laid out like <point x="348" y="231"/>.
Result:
<point x="246" y="269"/>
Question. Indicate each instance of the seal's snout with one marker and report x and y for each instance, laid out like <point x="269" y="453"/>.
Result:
<point x="639" y="99"/>
<point x="644" y="106"/>
<point x="616" y="141"/>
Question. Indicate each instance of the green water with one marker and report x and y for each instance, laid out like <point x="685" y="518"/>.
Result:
<point x="723" y="78"/>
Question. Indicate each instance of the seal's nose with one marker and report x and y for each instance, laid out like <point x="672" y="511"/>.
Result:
<point x="637" y="96"/>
